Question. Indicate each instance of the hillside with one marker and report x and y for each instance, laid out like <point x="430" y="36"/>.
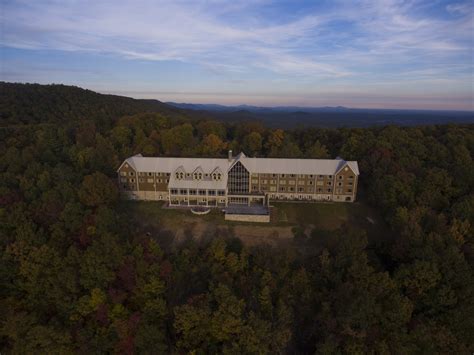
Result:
<point x="34" y="103"/>
<point x="83" y="271"/>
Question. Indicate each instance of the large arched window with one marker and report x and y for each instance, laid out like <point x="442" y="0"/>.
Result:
<point x="238" y="179"/>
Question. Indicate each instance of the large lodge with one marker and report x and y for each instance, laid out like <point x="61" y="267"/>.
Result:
<point x="237" y="180"/>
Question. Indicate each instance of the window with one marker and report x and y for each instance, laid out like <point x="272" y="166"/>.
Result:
<point x="340" y="177"/>
<point x="150" y="181"/>
<point x="310" y="189"/>
<point x="273" y="188"/>
<point x="141" y="180"/>
<point x="283" y="182"/>
<point x="273" y="182"/>
<point x="197" y="176"/>
<point x="282" y="189"/>
<point x="174" y="191"/>
<point x="123" y="173"/>
<point x="320" y="190"/>
<point x="339" y="184"/>
<point x="123" y="180"/>
<point x="183" y="192"/>
<point x="221" y="192"/>
<point x="254" y="187"/>
<point x="329" y="190"/>
<point x="300" y="189"/>
<point x="132" y="180"/>
<point x="349" y="190"/>
<point x="211" y="192"/>
<point x="292" y="175"/>
<point x="292" y="189"/>
<point x="311" y="176"/>
<point x="282" y="175"/>
<point x="320" y="177"/>
<point x="350" y="183"/>
<point x="329" y="183"/>
<point x="254" y="181"/>
<point x="150" y="174"/>
<point x="131" y="173"/>
<point x="274" y="175"/>
<point x="310" y="182"/>
<point x="238" y="179"/>
<point x="192" y="192"/>
<point x="329" y="176"/>
<point x="301" y="176"/>
<point x="351" y="177"/>
<point x="202" y="192"/>
<point x="292" y="182"/>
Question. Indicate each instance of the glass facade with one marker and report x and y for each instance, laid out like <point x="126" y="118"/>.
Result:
<point x="238" y="180"/>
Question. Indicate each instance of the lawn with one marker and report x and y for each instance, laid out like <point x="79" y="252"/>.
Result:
<point x="151" y="217"/>
<point x="327" y="216"/>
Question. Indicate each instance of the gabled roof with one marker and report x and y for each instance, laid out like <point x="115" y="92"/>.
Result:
<point x="296" y="166"/>
<point x="254" y="165"/>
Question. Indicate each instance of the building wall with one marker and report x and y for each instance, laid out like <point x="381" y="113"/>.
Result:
<point x="345" y="185"/>
<point x="127" y="178"/>
<point x="341" y="187"/>
<point x="292" y="183"/>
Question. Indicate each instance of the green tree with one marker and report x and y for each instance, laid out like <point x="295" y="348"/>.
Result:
<point x="97" y="189"/>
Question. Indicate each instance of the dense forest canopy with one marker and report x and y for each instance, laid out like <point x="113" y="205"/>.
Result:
<point x="76" y="277"/>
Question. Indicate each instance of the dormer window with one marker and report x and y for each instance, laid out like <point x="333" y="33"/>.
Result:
<point x="197" y="176"/>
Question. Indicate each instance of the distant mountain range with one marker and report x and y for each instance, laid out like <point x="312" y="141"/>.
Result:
<point x="301" y="109"/>
<point x="34" y="103"/>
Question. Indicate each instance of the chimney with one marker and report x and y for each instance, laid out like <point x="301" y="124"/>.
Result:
<point x="229" y="155"/>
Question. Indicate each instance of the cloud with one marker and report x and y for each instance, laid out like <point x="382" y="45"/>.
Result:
<point x="342" y="41"/>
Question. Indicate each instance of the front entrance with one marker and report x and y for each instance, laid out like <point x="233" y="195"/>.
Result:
<point x="238" y="200"/>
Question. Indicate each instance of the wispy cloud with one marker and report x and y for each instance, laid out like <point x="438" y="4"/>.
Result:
<point x="232" y="36"/>
<point x="343" y="42"/>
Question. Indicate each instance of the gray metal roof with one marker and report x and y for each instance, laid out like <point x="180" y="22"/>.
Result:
<point x="254" y="165"/>
<point x="296" y="166"/>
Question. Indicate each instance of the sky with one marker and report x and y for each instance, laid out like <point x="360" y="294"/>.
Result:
<point x="373" y="54"/>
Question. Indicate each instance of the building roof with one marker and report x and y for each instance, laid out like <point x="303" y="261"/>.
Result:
<point x="254" y="165"/>
<point x="297" y="166"/>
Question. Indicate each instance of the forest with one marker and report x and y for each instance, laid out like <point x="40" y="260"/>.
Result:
<point x="76" y="278"/>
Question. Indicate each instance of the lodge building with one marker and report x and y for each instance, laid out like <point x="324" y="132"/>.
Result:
<point x="237" y="180"/>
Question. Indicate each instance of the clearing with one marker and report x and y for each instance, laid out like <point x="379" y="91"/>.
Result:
<point x="175" y="225"/>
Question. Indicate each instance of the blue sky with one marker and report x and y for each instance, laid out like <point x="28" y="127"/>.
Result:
<point x="381" y="53"/>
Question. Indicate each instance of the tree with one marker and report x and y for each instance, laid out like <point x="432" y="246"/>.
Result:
<point x="317" y="151"/>
<point x="252" y="143"/>
<point x="212" y="145"/>
<point x="97" y="189"/>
